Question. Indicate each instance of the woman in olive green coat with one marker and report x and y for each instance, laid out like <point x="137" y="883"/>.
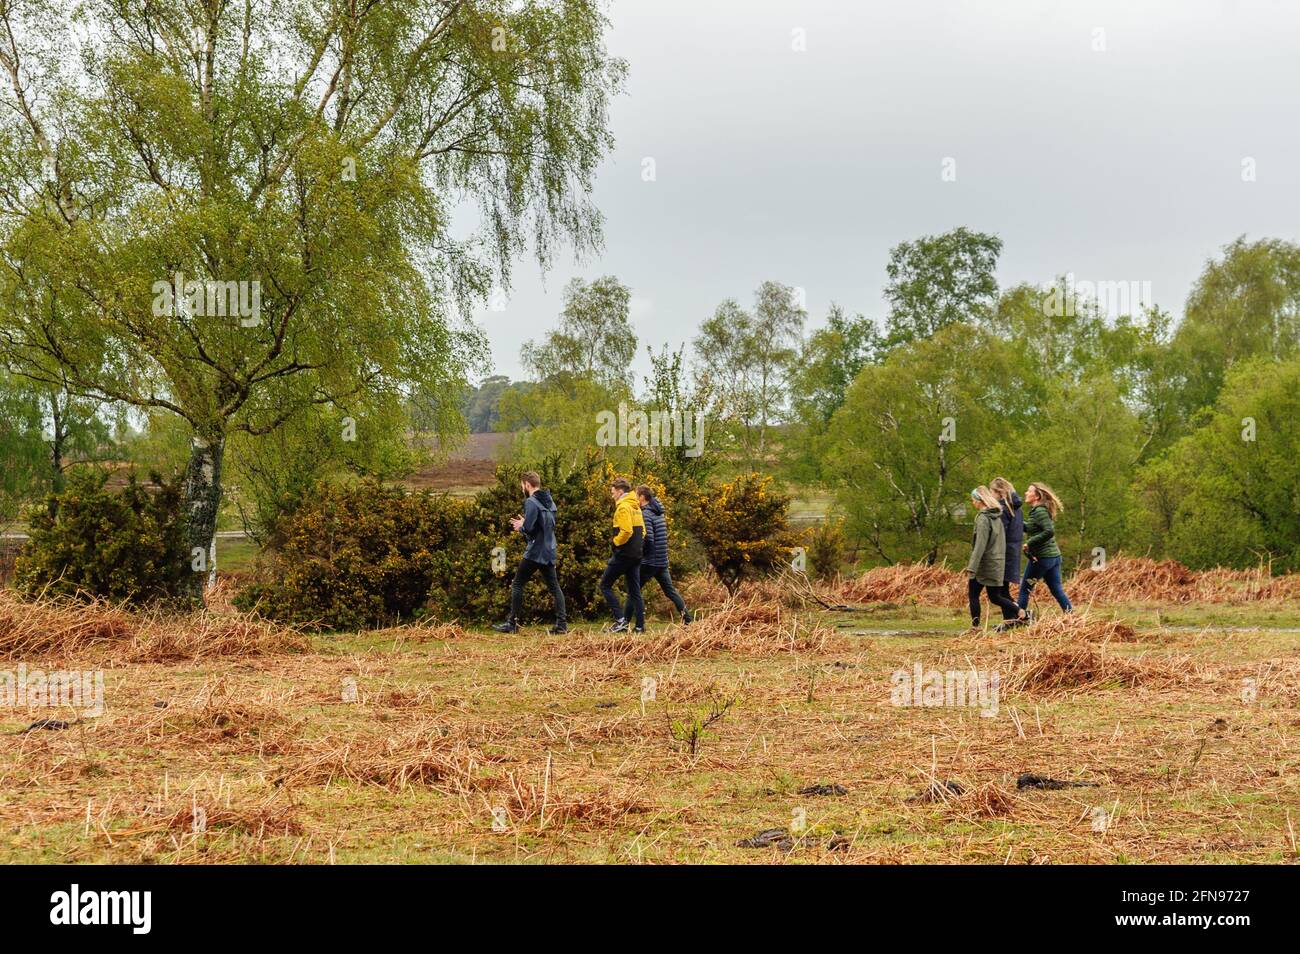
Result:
<point x="988" y="558"/>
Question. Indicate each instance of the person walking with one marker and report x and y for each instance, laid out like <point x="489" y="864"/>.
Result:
<point x="988" y="555"/>
<point x="1013" y="522"/>
<point x="1040" y="543"/>
<point x="654" y="560"/>
<point x="537" y="524"/>
<point x="625" y="562"/>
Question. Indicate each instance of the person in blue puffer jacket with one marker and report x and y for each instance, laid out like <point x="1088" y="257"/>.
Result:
<point x="537" y="524"/>
<point x="654" y="561"/>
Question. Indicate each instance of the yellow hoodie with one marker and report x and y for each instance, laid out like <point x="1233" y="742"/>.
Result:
<point x="629" y="524"/>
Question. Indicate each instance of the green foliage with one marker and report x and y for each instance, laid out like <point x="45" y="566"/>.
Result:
<point x="910" y="441"/>
<point x="315" y="152"/>
<point x="558" y="418"/>
<point x="1245" y="305"/>
<point x="741" y="524"/>
<point x="1083" y="444"/>
<point x="827" y="548"/>
<point x="481" y="406"/>
<point x="271" y="475"/>
<point x="595" y="340"/>
<point x="939" y="280"/>
<point x="23" y="450"/>
<point x="1229" y="493"/>
<point x="359" y="555"/>
<point x="692" y="731"/>
<point x="745" y="360"/>
<point x="119" y="545"/>
<point x="830" y="359"/>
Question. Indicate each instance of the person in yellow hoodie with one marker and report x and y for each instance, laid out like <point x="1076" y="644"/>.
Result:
<point x="629" y="541"/>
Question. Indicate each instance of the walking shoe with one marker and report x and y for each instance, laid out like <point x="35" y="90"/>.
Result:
<point x="507" y="627"/>
<point x="559" y="629"/>
<point x="687" y="617"/>
<point x="638" y="629"/>
<point x="619" y="627"/>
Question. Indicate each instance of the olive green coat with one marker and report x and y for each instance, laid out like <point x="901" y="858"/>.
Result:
<point x="988" y="556"/>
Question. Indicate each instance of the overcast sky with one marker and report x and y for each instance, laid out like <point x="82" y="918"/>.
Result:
<point x="1104" y="138"/>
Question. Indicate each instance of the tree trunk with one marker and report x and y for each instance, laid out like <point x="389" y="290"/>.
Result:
<point x="202" y="500"/>
<point x="56" y="445"/>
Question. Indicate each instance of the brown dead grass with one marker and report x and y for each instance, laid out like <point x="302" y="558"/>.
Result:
<point x="744" y="624"/>
<point x="1073" y="628"/>
<point x="39" y="627"/>
<point x="424" y="754"/>
<point x="1139" y="579"/>
<point x="1067" y="669"/>
<point x="65" y="627"/>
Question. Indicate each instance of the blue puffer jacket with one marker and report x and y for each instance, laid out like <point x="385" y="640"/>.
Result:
<point x="656" y="534"/>
<point x="539" y="527"/>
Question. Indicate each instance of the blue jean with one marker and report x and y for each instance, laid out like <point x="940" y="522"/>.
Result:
<point x="1048" y="569"/>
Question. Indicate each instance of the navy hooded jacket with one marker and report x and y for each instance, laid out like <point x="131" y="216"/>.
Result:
<point x="656" y="534"/>
<point x="539" y="527"/>
<point x="1014" y="522"/>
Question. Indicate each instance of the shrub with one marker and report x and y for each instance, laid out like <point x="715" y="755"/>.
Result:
<point x="826" y="548"/>
<point x="89" y="541"/>
<point x="742" y="526"/>
<point x="356" y="555"/>
<point x="583" y="531"/>
<point x="362" y="554"/>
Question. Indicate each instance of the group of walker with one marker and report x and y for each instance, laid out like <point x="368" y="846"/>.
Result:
<point x="640" y="552"/>
<point x="1002" y="531"/>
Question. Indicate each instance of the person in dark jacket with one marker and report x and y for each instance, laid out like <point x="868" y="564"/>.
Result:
<point x="988" y="555"/>
<point x="654" y="560"/>
<point x="1040" y="544"/>
<point x="537" y="524"/>
<point x="629" y="544"/>
<point x="1013" y="522"/>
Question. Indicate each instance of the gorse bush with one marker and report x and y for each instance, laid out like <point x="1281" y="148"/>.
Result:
<point x="91" y="541"/>
<point x="362" y="554"/>
<point x="826" y="548"/>
<point x="742" y="527"/>
<point x="357" y="555"/>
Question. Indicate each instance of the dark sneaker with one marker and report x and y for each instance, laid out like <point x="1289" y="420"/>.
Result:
<point x="559" y="629"/>
<point x="638" y="629"/>
<point x="619" y="627"/>
<point x="507" y="627"/>
<point x="687" y="617"/>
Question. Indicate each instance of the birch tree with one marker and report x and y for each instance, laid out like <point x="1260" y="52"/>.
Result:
<point x="232" y="212"/>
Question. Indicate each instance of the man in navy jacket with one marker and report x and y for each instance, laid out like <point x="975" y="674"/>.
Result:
<point x="654" y="561"/>
<point x="537" y="524"/>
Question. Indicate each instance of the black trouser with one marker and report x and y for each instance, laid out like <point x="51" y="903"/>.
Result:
<point x="973" y="588"/>
<point x="1009" y="609"/>
<point x="525" y="573"/>
<point x="665" y="579"/>
<point x="630" y="569"/>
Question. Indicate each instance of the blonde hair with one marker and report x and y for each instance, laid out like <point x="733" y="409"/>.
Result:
<point x="987" y="497"/>
<point x="1002" y="487"/>
<point x="1048" y="498"/>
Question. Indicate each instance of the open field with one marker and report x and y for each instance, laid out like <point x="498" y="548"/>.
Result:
<point x="433" y="743"/>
